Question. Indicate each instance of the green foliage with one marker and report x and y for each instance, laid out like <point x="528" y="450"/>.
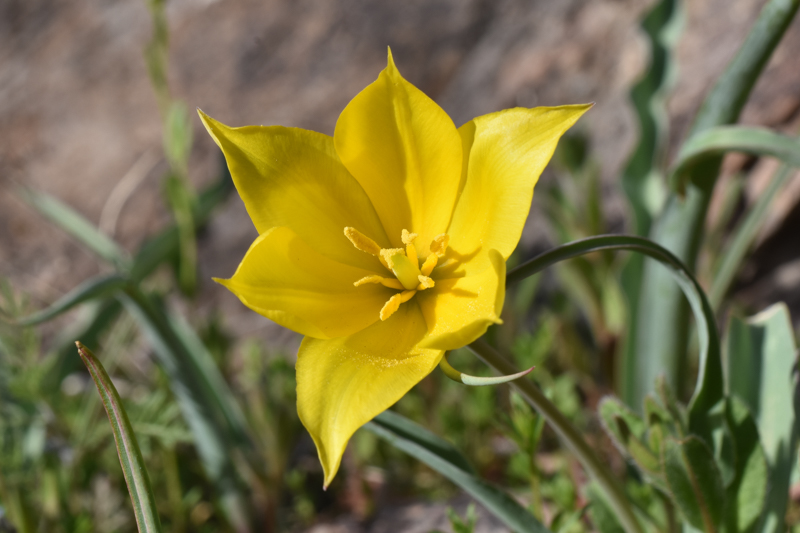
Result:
<point x="130" y="457"/>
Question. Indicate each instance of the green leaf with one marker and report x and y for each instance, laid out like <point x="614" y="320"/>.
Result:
<point x="602" y="516"/>
<point x="91" y="289"/>
<point x="746" y="493"/>
<point x="694" y="482"/>
<point x="130" y="457"/>
<point x="207" y="403"/>
<point x="66" y="218"/>
<point x="714" y="142"/>
<point x="744" y="235"/>
<point x="627" y="431"/>
<point x="642" y="179"/>
<point x="709" y="387"/>
<point x="762" y="354"/>
<point x="448" y="461"/>
<point x="680" y="225"/>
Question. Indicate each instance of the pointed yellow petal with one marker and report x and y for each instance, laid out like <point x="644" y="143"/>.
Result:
<point x="507" y="152"/>
<point x="293" y="177"/>
<point x="284" y="279"/>
<point x="460" y="309"/>
<point x="343" y="383"/>
<point x="406" y="153"/>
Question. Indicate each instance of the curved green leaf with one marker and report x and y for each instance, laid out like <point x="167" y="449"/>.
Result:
<point x="713" y="142"/>
<point x="77" y="226"/>
<point x="99" y="287"/>
<point x="477" y="381"/>
<point x="448" y="461"/>
<point x="744" y="235"/>
<point x="709" y="388"/>
<point x="130" y="457"/>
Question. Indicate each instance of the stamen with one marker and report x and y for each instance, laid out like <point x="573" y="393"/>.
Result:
<point x="439" y="244"/>
<point x="429" y="264"/>
<point x="393" y="304"/>
<point x="386" y="282"/>
<point x="424" y="283"/>
<point x="362" y="242"/>
<point x="407" y="237"/>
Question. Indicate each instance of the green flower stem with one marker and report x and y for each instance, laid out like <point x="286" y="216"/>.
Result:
<point x="569" y="434"/>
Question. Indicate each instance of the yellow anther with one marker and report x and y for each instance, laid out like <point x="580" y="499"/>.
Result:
<point x="386" y="282"/>
<point x="407" y="237"/>
<point x="425" y="283"/>
<point x="429" y="264"/>
<point x="393" y="304"/>
<point x="362" y="242"/>
<point x="439" y="244"/>
<point x="368" y="279"/>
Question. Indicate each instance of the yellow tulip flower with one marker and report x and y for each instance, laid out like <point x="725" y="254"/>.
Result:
<point x="385" y="245"/>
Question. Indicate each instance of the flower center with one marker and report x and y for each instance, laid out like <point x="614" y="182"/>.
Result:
<point x="408" y="275"/>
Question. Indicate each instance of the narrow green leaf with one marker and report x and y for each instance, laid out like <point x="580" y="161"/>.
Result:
<point x="130" y="457"/>
<point x="477" y="381"/>
<point x="713" y="142"/>
<point x="694" y="482"/>
<point x="680" y="225"/>
<point x="709" y="387"/>
<point x="744" y="235"/>
<point x="205" y="400"/>
<point x="94" y="288"/>
<point x="746" y="493"/>
<point x="642" y="179"/>
<point x="445" y="459"/>
<point x="762" y="354"/>
<point x="78" y="227"/>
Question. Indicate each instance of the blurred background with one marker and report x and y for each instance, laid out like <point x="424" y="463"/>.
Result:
<point x="82" y="118"/>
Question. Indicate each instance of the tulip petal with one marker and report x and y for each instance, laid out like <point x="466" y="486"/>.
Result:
<point x="343" y="383"/>
<point x="463" y="305"/>
<point x="287" y="281"/>
<point x="292" y="177"/>
<point x="405" y="152"/>
<point x="507" y="151"/>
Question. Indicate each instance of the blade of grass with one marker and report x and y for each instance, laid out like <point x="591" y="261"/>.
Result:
<point x="745" y="234"/>
<point x="130" y="457"/>
<point x="66" y="218"/>
<point x="722" y="139"/>
<point x="91" y="289"/>
<point x="440" y="455"/>
<point x="679" y="228"/>
<point x="642" y="179"/>
<point x="205" y="402"/>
